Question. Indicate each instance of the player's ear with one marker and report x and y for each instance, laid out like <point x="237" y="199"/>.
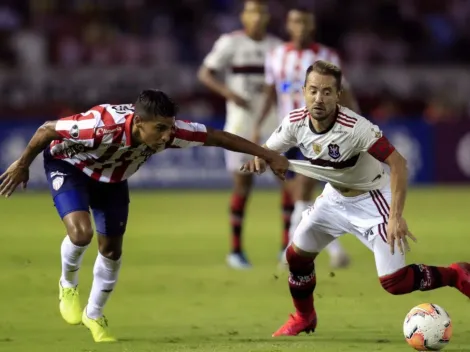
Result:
<point x="137" y="120"/>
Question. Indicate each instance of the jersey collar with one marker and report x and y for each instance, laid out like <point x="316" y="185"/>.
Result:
<point x="310" y="124"/>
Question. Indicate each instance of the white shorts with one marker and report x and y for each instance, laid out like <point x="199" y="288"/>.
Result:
<point x="365" y="216"/>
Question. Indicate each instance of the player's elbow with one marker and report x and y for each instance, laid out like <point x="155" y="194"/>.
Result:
<point x="203" y="74"/>
<point x="214" y="138"/>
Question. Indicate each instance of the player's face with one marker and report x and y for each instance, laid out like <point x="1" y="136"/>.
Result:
<point x="154" y="133"/>
<point x="321" y="95"/>
<point x="255" y="18"/>
<point x="300" y="25"/>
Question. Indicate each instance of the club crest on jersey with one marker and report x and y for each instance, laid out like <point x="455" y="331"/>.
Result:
<point x="316" y="148"/>
<point x="57" y="182"/>
<point x="74" y="132"/>
<point x="333" y="150"/>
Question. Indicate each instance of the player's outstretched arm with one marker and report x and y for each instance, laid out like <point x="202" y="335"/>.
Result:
<point x="397" y="229"/>
<point x="229" y="141"/>
<point x="18" y="172"/>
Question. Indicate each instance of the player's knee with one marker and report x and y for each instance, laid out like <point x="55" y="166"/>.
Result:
<point x="110" y="247"/>
<point x="243" y="185"/>
<point x="80" y="234"/>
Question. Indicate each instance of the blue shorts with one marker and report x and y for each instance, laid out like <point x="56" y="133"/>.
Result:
<point x="293" y="154"/>
<point x="72" y="190"/>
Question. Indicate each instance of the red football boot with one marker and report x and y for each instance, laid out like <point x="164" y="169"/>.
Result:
<point x="463" y="277"/>
<point x="297" y="324"/>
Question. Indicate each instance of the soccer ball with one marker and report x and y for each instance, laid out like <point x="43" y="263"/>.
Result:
<point x="427" y="327"/>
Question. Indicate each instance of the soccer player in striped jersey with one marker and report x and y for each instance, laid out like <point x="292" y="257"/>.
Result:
<point x="348" y="152"/>
<point x="87" y="159"/>
<point x="239" y="57"/>
<point x="284" y="71"/>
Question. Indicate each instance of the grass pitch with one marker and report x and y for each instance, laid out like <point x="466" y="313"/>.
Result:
<point x="176" y="294"/>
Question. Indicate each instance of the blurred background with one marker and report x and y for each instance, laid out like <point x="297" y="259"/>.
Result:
<point x="407" y="60"/>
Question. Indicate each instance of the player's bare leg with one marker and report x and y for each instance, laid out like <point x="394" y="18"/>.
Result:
<point x="303" y="193"/>
<point x="241" y="191"/>
<point x="105" y="276"/>
<point x="80" y="234"/>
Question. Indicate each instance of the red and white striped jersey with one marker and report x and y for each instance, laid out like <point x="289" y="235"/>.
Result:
<point x="285" y="68"/>
<point x="349" y="154"/>
<point x="99" y="142"/>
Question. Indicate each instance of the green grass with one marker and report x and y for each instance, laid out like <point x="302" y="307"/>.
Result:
<point x="176" y="294"/>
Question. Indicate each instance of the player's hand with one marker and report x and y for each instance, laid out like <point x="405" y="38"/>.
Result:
<point x="17" y="173"/>
<point x="279" y="165"/>
<point x="243" y="103"/>
<point x="398" y="233"/>
<point x="256" y="165"/>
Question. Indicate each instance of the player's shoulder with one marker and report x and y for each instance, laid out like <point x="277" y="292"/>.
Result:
<point x="232" y="37"/>
<point x="296" y="116"/>
<point x="111" y="114"/>
<point x="350" y="119"/>
<point x="273" y="40"/>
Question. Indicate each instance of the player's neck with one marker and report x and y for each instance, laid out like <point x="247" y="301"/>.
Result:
<point x="256" y="36"/>
<point x="324" y="125"/>
<point x="302" y="43"/>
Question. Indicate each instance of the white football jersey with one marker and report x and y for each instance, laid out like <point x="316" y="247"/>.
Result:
<point x="241" y="60"/>
<point x="285" y="69"/>
<point x="348" y="155"/>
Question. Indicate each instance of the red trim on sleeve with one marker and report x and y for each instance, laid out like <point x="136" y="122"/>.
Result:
<point x="381" y="149"/>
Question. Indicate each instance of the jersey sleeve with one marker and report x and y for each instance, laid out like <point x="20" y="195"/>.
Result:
<point x="269" y="77"/>
<point x="79" y="128"/>
<point x="188" y="134"/>
<point x="220" y="55"/>
<point x="283" y="138"/>
<point x="369" y="138"/>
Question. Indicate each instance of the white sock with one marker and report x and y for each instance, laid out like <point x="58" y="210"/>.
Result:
<point x="299" y="207"/>
<point x="335" y="248"/>
<point x="71" y="256"/>
<point x="105" y="275"/>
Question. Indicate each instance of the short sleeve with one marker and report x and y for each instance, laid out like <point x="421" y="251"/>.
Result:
<point x="79" y="128"/>
<point x="221" y="53"/>
<point x="369" y="138"/>
<point x="283" y="138"/>
<point x="188" y="134"/>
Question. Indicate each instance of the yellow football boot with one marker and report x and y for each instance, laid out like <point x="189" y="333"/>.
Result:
<point x="98" y="327"/>
<point x="69" y="305"/>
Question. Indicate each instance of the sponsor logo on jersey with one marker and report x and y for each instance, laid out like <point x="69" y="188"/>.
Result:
<point x="101" y="131"/>
<point x="74" y="132"/>
<point x="333" y="151"/>
<point x="316" y="148"/>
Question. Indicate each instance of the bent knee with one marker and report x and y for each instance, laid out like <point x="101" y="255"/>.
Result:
<point x="110" y="247"/>
<point x="80" y="233"/>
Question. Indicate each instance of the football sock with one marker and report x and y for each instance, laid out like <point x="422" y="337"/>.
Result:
<point x="420" y="277"/>
<point x="302" y="281"/>
<point x="287" y="209"/>
<point x="299" y="208"/>
<point x="105" y="275"/>
<point x="237" y="211"/>
<point x="71" y="257"/>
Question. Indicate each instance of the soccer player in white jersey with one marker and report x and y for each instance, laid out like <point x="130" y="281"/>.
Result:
<point x="349" y="152"/>
<point x="88" y="158"/>
<point x="240" y="57"/>
<point x="285" y="67"/>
